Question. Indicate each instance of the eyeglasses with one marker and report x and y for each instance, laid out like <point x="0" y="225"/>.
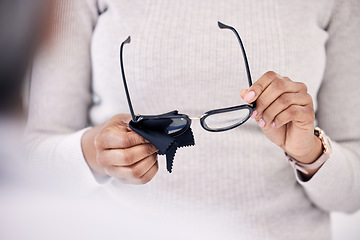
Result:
<point x="217" y="120"/>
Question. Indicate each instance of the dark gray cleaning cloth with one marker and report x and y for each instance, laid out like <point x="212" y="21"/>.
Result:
<point x="154" y="132"/>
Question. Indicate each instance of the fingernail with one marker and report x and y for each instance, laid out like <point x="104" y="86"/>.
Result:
<point x="261" y="123"/>
<point x="272" y="124"/>
<point x="249" y="96"/>
<point x="254" y="113"/>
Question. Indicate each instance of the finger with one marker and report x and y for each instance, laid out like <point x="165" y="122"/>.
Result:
<point x="259" y="86"/>
<point x="136" y="171"/>
<point x="282" y="103"/>
<point x="125" y="157"/>
<point x="114" y="138"/>
<point x="275" y="89"/>
<point x="243" y="93"/>
<point x="149" y="175"/>
<point x="299" y="115"/>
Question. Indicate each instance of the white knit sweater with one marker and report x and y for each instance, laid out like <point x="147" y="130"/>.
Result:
<point x="179" y="59"/>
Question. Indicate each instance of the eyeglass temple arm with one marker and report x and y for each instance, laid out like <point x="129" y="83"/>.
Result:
<point x="128" y="40"/>
<point x="223" y="26"/>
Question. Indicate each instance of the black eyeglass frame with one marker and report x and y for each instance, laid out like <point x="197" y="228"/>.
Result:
<point x="173" y="115"/>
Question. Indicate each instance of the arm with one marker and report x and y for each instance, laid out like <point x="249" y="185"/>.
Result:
<point x="286" y="115"/>
<point x="60" y="96"/>
<point x="336" y="186"/>
<point x="61" y="146"/>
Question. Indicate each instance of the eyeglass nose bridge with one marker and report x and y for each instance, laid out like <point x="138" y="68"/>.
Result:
<point x="195" y="118"/>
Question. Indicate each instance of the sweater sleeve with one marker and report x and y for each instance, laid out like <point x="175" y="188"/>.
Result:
<point x="60" y="96"/>
<point x="336" y="185"/>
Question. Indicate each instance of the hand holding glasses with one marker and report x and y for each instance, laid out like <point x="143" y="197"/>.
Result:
<point x="217" y="120"/>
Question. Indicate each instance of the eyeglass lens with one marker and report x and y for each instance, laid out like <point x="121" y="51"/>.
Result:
<point x="226" y="120"/>
<point x="171" y="125"/>
<point x="178" y="125"/>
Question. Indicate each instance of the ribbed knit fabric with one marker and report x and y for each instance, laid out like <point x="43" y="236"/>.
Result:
<point x="179" y="59"/>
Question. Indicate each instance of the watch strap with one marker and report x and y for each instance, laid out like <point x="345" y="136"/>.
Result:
<point x="304" y="167"/>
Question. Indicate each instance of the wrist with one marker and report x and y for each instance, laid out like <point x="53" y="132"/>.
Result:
<point x="313" y="154"/>
<point x="310" y="168"/>
<point x="90" y="152"/>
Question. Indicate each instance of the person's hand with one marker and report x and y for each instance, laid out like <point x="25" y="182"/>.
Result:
<point x="285" y="113"/>
<point x="115" y="150"/>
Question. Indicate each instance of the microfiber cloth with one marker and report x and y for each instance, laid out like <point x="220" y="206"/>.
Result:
<point x="154" y="131"/>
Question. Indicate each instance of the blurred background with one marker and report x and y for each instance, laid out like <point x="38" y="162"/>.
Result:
<point x="30" y="213"/>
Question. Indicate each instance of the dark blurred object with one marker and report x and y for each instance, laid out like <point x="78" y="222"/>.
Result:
<point x="22" y="27"/>
<point x="21" y="22"/>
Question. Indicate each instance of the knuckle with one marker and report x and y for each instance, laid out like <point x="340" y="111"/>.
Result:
<point x="106" y="132"/>
<point x="149" y="149"/>
<point x="266" y="116"/>
<point x="99" y="141"/>
<point x="123" y="126"/>
<point x="258" y="117"/>
<point x="148" y="177"/>
<point x="155" y="157"/>
<point x="302" y="86"/>
<point x="310" y="112"/>
<point x="279" y="119"/>
<point x="258" y="87"/>
<point x="260" y="105"/>
<point x="280" y="84"/>
<point x="125" y="141"/>
<point x="271" y="74"/>
<point x="144" y="180"/>
<point x="136" y="172"/>
<point x="285" y="99"/>
<point x="308" y="98"/>
<point x="293" y="111"/>
<point x="102" y="138"/>
<point x="287" y="79"/>
<point x="125" y="157"/>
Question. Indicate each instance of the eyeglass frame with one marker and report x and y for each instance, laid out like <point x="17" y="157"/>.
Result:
<point x="171" y="115"/>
